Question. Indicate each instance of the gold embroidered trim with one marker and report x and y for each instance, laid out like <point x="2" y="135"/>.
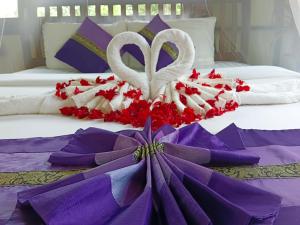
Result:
<point x="261" y="172"/>
<point x="90" y="46"/>
<point x="166" y="46"/>
<point x="33" y="177"/>
<point x="243" y="173"/>
<point x="145" y="150"/>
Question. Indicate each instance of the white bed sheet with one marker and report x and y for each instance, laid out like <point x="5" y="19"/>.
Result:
<point x="44" y="69"/>
<point x="259" y="117"/>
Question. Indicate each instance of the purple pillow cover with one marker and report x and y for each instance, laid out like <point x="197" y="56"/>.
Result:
<point x="86" y="49"/>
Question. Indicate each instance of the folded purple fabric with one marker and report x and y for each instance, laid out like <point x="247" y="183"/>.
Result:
<point x="141" y="177"/>
<point x="168" y="53"/>
<point x="86" y="49"/>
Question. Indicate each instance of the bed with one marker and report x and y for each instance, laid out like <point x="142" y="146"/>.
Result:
<point x="262" y="119"/>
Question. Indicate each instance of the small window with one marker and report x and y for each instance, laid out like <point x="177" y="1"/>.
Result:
<point x="129" y="10"/>
<point x="77" y="10"/>
<point x="8" y="8"/>
<point x="53" y="11"/>
<point x="154" y="9"/>
<point x="142" y="9"/>
<point x="167" y="9"/>
<point x="66" y="11"/>
<point x="179" y="9"/>
<point x="91" y="10"/>
<point x="41" y="12"/>
<point x="117" y="10"/>
<point x="104" y="10"/>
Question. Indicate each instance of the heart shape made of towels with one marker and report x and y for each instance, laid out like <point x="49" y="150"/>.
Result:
<point x="151" y="82"/>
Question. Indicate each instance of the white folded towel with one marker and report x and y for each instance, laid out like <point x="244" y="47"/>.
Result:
<point x="138" y="80"/>
<point x="179" y="68"/>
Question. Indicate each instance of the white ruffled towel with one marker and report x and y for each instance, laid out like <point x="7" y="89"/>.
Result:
<point x="155" y="85"/>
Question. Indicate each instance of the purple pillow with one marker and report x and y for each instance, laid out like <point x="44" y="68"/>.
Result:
<point x="86" y="49"/>
<point x="168" y="53"/>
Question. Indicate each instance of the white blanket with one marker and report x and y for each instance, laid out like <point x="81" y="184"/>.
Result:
<point x="269" y="85"/>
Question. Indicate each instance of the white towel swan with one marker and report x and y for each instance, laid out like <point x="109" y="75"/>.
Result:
<point x="138" y="80"/>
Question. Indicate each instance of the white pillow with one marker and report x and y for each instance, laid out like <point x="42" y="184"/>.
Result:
<point x="201" y="30"/>
<point x="56" y="34"/>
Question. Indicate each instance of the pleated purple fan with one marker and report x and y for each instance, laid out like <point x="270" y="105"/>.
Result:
<point x="145" y="177"/>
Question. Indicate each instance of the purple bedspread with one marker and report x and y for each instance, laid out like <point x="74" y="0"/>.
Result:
<point x="143" y="177"/>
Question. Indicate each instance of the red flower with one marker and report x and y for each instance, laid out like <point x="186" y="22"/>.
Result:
<point x="214" y="75"/>
<point x="219" y="86"/>
<point x="195" y="75"/>
<point x="227" y="87"/>
<point x="241" y="88"/>
<point x="134" y="94"/>
<point x="108" y="94"/>
<point x="77" y="91"/>
<point x="111" y="78"/>
<point x="84" y="82"/>
<point x="183" y="99"/>
<point x="81" y="112"/>
<point x="67" y="111"/>
<point x="95" y="114"/>
<point x="188" y="115"/>
<point x="63" y="95"/>
<point x="206" y="85"/>
<point x="212" y="102"/>
<point x="240" y="82"/>
<point x="179" y="85"/>
<point x="231" y="105"/>
<point x="121" y="83"/>
<point x="191" y="90"/>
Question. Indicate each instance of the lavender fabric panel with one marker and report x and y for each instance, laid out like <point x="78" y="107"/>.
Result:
<point x="34" y="145"/>
<point x="196" y="135"/>
<point x="81" y="58"/>
<point x="288" y="215"/>
<point x="8" y="201"/>
<point x="288" y="189"/>
<point x="240" y="138"/>
<point x="15" y="162"/>
<point x="275" y="154"/>
<point x="94" y="33"/>
<point x="254" y="138"/>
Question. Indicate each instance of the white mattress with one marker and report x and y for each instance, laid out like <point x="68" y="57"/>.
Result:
<point x="39" y="80"/>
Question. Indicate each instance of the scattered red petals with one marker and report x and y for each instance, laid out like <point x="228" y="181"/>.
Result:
<point x="67" y="111"/>
<point x="81" y="112"/>
<point x="195" y="75"/>
<point x="183" y="99"/>
<point x="134" y="94"/>
<point x="107" y="94"/>
<point x="95" y="114"/>
<point x="77" y="91"/>
<point x="241" y="88"/>
<point x="84" y="82"/>
<point x="214" y="75"/>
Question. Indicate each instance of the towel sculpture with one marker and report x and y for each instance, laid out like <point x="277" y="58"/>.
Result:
<point x="145" y="177"/>
<point x="175" y="94"/>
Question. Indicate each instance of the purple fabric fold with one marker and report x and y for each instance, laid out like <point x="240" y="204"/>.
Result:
<point x="141" y="177"/>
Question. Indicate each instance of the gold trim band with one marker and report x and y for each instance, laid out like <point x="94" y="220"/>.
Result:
<point x="242" y="172"/>
<point x="90" y="46"/>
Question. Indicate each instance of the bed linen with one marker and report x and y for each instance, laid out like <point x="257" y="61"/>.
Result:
<point x="259" y="117"/>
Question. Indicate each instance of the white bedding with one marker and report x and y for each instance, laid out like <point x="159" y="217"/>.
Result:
<point x="285" y="116"/>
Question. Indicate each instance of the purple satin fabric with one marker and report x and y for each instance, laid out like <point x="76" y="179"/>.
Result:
<point x="169" y="187"/>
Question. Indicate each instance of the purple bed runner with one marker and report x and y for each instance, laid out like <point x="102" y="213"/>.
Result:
<point x="183" y="176"/>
